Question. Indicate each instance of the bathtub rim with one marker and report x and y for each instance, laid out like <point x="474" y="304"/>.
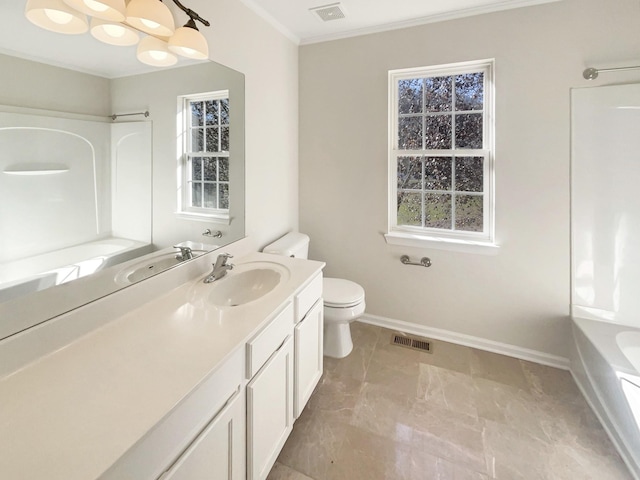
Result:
<point x="603" y="334"/>
<point x="592" y="391"/>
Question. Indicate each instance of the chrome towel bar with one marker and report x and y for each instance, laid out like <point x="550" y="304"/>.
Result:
<point x="424" y="261"/>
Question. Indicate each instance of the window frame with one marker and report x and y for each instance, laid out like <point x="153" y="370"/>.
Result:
<point x="184" y="153"/>
<point x="435" y="237"/>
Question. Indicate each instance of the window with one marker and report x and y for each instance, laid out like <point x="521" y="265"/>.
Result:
<point x="205" y="155"/>
<point x="440" y="154"/>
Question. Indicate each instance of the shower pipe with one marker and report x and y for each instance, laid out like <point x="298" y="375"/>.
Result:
<point x="592" y="73"/>
<point x="116" y="115"/>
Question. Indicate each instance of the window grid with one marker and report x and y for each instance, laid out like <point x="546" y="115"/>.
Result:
<point x="456" y="196"/>
<point x="453" y="191"/>
<point x="206" y="156"/>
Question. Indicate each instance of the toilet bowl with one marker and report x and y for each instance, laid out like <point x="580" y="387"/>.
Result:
<point x="343" y="303"/>
<point x="343" y="299"/>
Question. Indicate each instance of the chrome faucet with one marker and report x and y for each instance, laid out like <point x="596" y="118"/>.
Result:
<point x="220" y="268"/>
<point x="185" y="253"/>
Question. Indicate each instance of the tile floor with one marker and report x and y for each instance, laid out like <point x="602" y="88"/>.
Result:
<point x="387" y="412"/>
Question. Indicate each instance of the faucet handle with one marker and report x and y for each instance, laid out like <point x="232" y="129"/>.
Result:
<point x="221" y="260"/>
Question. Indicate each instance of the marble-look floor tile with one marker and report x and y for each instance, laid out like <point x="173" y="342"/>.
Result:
<point x="551" y="382"/>
<point x="336" y="395"/>
<point x="448" y="389"/>
<point x="574" y="425"/>
<point x="510" y="406"/>
<point x="393" y="366"/>
<point x="355" y="364"/>
<point x="366" y="456"/>
<point x="448" y="355"/>
<point x="451" y="471"/>
<point x="569" y="463"/>
<point x="385" y="412"/>
<point x="515" y="455"/>
<point x="446" y="434"/>
<point x="314" y="444"/>
<point x="282" y="472"/>
<point x="498" y="368"/>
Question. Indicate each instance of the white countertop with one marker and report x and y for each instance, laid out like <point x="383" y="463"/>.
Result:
<point x="74" y="412"/>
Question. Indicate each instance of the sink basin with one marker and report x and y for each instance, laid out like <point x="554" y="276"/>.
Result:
<point x="146" y="268"/>
<point x="246" y="283"/>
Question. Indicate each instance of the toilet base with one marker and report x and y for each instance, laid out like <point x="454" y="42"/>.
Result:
<point x="337" y="340"/>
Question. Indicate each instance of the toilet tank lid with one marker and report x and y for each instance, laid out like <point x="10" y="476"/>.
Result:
<point x="338" y="292"/>
<point x="288" y="244"/>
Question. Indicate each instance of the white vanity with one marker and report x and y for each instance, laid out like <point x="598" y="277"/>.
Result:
<point x="184" y="387"/>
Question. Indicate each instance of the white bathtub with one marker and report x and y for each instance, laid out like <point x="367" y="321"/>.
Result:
<point x="55" y="268"/>
<point x="606" y="365"/>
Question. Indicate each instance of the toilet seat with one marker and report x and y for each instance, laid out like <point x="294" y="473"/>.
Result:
<point x="341" y="293"/>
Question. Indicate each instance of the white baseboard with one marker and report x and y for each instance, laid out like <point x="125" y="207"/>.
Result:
<point x="468" y="341"/>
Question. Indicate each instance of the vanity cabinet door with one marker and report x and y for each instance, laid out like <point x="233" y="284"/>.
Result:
<point x="269" y="411"/>
<point x="308" y="356"/>
<point x="218" y="453"/>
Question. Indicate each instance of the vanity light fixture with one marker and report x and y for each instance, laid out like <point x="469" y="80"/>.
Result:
<point x="119" y="22"/>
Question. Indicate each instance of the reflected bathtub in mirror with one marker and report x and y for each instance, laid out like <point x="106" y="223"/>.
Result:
<point x="117" y="193"/>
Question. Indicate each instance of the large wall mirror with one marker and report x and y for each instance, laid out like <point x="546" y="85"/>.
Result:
<point x="90" y="204"/>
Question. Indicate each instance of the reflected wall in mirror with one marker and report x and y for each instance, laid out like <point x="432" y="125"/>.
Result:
<point x="73" y="182"/>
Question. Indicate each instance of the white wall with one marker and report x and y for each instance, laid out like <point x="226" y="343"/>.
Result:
<point x="521" y="296"/>
<point x="36" y="85"/>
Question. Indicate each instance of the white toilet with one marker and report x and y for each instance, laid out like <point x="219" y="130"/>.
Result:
<point x="343" y="299"/>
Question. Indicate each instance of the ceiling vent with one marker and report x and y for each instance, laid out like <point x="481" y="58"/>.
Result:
<point x="330" y="12"/>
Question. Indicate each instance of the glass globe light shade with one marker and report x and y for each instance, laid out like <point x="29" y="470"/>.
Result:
<point x="113" y="10"/>
<point x="150" y="16"/>
<point x="189" y="43"/>
<point x="113" y="33"/>
<point x="153" y="51"/>
<point x="56" y="16"/>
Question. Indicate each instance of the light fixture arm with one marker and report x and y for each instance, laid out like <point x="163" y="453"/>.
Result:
<point x="192" y="15"/>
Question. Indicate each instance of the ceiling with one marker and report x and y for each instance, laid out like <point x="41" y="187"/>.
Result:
<point x="293" y="18"/>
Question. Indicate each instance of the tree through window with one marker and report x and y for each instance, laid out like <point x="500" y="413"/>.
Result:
<point x="441" y="163"/>
<point x="205" y="172"/>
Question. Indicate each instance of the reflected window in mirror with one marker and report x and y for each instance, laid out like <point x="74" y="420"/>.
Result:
<point x="204" y="168"/>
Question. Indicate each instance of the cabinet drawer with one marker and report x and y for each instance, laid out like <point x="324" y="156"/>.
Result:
<point x="308" y="296"/>
<point x="262" y="346"/>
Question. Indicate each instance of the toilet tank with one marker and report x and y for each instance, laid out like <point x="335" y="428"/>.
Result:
<point x="293" y="244"/>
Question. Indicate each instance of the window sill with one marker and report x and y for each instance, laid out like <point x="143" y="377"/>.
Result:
<point x="200" y="217"/>
<point x="423" y="241"/>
